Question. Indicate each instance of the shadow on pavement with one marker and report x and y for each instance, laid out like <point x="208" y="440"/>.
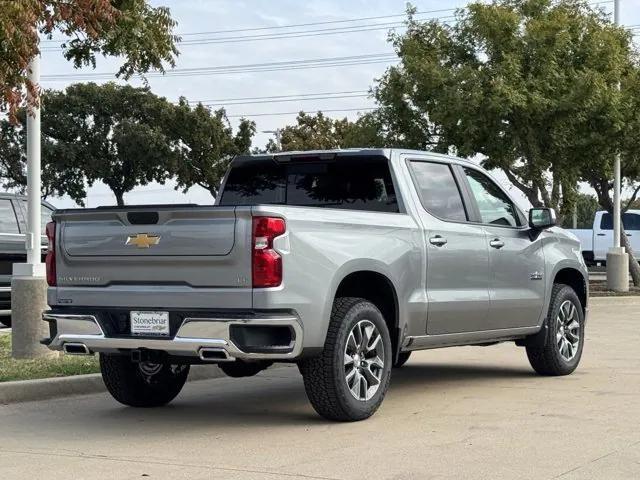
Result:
<point x="273" y="400"/>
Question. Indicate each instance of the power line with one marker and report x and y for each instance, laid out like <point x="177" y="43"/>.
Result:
<point x="285" y="35"/>
<point x="295" y="25"/>
<point x="277" y="96"/>
<point x="258" y="102"/>
<point x="246" y="68"/>
<point x="308" y="112"/>
<point x="327" y="22"/>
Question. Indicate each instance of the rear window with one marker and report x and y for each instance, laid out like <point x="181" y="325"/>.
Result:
<point x="354" y="183"/>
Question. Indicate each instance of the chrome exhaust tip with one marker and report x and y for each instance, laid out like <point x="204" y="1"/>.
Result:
<point x="76" y="349"/>
<point x="214" y="355"/>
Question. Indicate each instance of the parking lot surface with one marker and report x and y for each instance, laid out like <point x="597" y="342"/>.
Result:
<point x="471" y="412"/>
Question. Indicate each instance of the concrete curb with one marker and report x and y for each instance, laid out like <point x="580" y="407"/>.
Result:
<point x="47" y="388"/>
<point x="612" y="299"/>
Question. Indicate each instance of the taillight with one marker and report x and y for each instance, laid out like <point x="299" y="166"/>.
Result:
<point x="50" y="259"/>
<point x="266" y="262"/>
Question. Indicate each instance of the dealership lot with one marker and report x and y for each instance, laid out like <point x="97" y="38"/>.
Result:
<point x="469" y="412"/>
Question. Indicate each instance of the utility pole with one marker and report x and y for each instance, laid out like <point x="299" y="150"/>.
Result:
<point x="28" y="284"/>
<point x="278" y="136"/>
<point x="617" y="257"/>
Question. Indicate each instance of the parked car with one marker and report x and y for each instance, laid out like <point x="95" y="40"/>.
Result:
<point x="343" y="262"/>
<point x="13" y="225"/>
<point x="596" y="242"/>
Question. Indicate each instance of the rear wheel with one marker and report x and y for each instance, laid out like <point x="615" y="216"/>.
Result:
<point x="142" y="384"/>
<point x="349" y="379"/>
<point x="562" y="349"/>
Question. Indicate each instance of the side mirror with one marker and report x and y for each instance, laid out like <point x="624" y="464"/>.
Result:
<point x="541" y="218"/>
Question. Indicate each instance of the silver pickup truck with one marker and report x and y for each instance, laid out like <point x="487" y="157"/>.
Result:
<point x="343" y="262"/>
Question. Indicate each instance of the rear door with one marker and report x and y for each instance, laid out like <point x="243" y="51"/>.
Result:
<point x="457" y="255"/>
<point x="516" y="258"/>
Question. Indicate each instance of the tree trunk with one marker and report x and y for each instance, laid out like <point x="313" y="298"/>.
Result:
<point x="634" y="267"/>
<point x="119" y="198"/>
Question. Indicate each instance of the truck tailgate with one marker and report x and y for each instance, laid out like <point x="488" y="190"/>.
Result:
<point x="157" y="245"/>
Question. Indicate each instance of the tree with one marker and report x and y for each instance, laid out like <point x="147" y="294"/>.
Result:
<point x="318" y="132"/>
<point x="528" y="84"/>
<point x="62" y="171"/>
<point x="112" y="133"/>
<point x="130" y="29"/>
<point x="206" y="143"/>
<point x="586" y="207"/>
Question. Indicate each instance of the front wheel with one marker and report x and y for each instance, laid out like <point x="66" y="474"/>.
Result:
<point x="562" y="349"/>
<point x="349" y="379"/>
<point x="142" y="384"/>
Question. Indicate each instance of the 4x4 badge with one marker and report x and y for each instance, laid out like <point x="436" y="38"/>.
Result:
<point x="143" y="240"/>
<point x="536" y="276"/>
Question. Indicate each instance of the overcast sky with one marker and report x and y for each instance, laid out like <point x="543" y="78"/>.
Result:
<point x="221" y="49"/>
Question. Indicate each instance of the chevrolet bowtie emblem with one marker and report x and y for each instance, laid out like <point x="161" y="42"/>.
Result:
<point x="143" y="240"/>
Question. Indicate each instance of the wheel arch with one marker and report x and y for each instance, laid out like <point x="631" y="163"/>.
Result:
<point x="377" y="288"/>
<point x="576" y="280"/>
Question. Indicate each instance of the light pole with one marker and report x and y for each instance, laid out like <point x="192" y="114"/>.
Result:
<point x="28" y="284"/>
<point x="617" y="258"/>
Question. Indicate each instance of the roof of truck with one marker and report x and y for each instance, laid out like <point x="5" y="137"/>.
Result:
<point x="279" y="156"/>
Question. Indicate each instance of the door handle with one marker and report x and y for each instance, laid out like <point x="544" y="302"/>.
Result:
<point x="438" y="240"/>
<point x="496" y="243"/>
<point x="601" y="234"/>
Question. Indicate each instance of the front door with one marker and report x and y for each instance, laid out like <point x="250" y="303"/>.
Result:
<point x="516" y="259"/>
<point x="457" y="253"/>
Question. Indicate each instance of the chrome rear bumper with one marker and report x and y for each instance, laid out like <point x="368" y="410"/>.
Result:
<point x="196" y="337"/>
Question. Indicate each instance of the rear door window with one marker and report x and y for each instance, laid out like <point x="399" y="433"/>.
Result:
<point x="438" y="190"/>
<point x="353" y="183"/>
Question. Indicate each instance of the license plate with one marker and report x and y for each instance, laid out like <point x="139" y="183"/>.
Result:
<point x="150" y="323"/>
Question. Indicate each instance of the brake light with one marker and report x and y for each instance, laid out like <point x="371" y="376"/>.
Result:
<point x="50" y="259"/>
<point x="266" y="262"/>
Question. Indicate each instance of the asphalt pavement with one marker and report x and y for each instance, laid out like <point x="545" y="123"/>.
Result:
<point x="471" y="412"/>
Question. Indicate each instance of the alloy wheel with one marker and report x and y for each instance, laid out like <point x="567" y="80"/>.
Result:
<point x="364" y="360"/>
<point x="567" y="330"/>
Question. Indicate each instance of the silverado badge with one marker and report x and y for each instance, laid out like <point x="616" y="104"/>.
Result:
<point x="143" y="240"/>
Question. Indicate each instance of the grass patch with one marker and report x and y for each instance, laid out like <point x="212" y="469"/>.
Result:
<point x="62" y="366"/>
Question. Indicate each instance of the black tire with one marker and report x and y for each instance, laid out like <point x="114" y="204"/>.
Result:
<point x="240" y="369"/>
<point x="131" y="383"/>
<point x="403" y="357"/>
<point x="325" y="375"/>
<point x="6" y="321"/>
<point x="547" y="359"/>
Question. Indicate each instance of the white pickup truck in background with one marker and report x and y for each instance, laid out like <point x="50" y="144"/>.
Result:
<point x="595" y="242"/>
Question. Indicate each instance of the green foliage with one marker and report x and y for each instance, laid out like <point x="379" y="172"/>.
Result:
<point x="586" y="207"/>
<point x="117" y="133"/>
<point x="62" y="170"/>
<point x="529" y="84"/>
<point x="318" y="132"/>
<point x="91" y="132"/>
<point x="207" y="144"/>
<point x="139" y="34"/>
<point x="124" y="137"/>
